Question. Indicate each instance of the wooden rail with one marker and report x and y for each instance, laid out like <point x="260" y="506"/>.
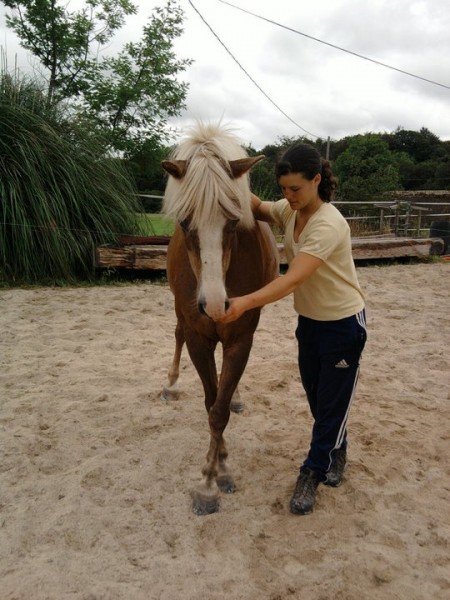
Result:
<point x="152" y="256"/>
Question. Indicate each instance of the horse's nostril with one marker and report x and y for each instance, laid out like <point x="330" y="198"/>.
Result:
<point x="201" y="308"/>
<point x="227" y="305"/>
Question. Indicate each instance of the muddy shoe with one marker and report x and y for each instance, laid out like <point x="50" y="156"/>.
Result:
<point x="336" y="472"/>
<point x="302" y="501"/>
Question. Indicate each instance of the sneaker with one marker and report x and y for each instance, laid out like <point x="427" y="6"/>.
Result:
<point x="302" y="501"/>
<point x="336" y="472"/>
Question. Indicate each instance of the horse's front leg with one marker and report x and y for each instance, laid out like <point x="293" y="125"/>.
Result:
<point x="170" y="391"/>
<point x="205" y="497"/>
<point x="216" y="474"/>
<point x="235" y="357"/>
<point x="201" y="350"/>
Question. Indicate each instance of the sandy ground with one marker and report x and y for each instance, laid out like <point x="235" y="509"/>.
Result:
<point x="96" y="470"/>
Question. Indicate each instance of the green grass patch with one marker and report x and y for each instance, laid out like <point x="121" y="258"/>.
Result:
<point x="156" y="224"/>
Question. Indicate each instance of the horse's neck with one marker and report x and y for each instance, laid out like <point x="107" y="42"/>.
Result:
<point x="255" y="253"/>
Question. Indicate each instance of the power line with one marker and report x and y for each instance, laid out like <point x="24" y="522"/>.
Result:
<point x="249" y="76"/>
<point x="377" y="62"/>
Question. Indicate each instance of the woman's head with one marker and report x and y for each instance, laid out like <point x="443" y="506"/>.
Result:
<point x="305" y="160"/>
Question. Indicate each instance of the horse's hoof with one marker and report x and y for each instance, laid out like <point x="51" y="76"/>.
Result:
<point x="237" y="407"/>
<point x="204" y="504"/>
<point x="168" y="394"/>
<point x="226" y="484"/>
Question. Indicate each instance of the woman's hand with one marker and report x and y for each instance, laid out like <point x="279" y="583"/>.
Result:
<point x="237" y="308"/>
<point x="262" y="210"/>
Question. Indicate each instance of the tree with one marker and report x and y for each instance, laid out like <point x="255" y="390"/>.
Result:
<point x="420" y="145"/>
<point x="442" y="175"/>
<point x="366" y="169"/>
<point x="427" y="155"/>
<point x="150" y="178"/>
<point x="127" y="97"/>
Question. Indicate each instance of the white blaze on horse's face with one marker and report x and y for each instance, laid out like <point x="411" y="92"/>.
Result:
<point x="214" y="258"/>
<point x="209" y="253"/>
<point x="212" y="296"/>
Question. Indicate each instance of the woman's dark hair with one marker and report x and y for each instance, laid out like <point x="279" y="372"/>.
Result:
<point x="304" y="159"/>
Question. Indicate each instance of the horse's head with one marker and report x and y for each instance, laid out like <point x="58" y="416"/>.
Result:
<point x="208" y="194"/>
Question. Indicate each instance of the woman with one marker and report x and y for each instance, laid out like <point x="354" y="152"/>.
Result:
<point x="331" y="330"/>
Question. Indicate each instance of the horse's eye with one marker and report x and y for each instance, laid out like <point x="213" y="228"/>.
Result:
<point x="184" y="224"/>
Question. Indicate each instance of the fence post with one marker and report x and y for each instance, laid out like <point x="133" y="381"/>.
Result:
<point x="381" y="226"/>
<point x="397" y="209"/>
<point x="407" y="216"/>
<point x="419" y="222"/>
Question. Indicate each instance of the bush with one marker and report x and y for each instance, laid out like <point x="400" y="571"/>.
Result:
<point x="59" y="195"/>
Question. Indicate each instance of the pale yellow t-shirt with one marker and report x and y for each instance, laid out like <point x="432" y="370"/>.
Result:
<point x="332" y="292"/>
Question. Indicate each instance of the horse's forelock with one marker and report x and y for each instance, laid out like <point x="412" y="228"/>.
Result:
<point x="207" y="177"/>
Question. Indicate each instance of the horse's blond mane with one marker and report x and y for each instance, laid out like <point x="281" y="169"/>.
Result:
<point x="207" y="189"/>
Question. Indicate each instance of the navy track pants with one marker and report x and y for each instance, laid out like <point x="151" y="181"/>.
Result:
<point x="328" y="356"/>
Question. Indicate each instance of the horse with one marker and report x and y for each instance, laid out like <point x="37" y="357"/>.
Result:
<point x="218" y="250"/>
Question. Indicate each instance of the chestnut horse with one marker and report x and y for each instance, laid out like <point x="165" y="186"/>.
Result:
<point x="218" y="251"/>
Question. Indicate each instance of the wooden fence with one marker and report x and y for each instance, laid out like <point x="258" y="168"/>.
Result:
<point x="386" y="229"/>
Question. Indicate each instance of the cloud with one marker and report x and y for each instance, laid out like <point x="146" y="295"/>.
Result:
<point x="321" y="89"/>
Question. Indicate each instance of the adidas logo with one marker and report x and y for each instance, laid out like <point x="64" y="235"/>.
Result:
<point x="342" y="364"/>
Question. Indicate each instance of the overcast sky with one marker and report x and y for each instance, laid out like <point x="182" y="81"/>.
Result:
<point x="323" y="91"/>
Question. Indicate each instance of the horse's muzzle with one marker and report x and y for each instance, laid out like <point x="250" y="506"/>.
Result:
<point x="201" y="305"/>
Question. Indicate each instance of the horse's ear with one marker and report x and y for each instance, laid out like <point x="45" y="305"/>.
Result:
<point x="176" y="168"/>
<point x="242" y="165"/>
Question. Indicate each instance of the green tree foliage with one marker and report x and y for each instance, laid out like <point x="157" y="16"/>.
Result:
<point x="427" y="154"/>
<point x="418" y="176"/>
<point x="262" y="176"/>
<point x="367" y="165"/>
<point x="366" y="169"/>
<point x="442" y="174"/>
<point x="127" y="97"/>
<point x="62" y="39"/>
<point x="150" y="178"/>
<point x="419" y="145"/>
<point x="59" y="197"/>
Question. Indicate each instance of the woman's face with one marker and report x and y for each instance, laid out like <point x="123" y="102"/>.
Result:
<point x="298" y="190"/>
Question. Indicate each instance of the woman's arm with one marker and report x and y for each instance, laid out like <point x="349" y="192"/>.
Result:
<point x="261" y="210"/>
<point x="301" y="267"/>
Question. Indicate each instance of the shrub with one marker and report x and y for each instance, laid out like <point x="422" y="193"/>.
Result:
<point x="60" y="196"/>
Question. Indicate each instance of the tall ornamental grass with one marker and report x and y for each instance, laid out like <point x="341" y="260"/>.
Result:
<point x="59" y="195"/>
